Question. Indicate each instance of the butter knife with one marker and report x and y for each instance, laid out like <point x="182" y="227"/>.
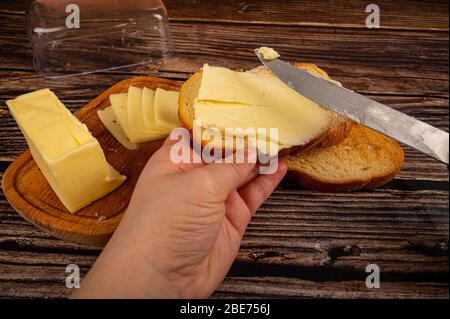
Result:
<point x="397" y="125"/>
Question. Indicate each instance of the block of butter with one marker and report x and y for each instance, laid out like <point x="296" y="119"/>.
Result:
<point x="70" y="158"/>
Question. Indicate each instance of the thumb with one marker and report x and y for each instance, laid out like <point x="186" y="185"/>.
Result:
<point x="227" y="177"/>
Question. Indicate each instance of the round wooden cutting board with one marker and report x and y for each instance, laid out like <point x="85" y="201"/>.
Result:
<point x="29" y="193"/>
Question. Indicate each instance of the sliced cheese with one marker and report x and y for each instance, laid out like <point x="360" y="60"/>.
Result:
<point x="110" y="121"/>
<point x="229" y="99"/>
<point x="68" y="155"/>
<point x="166" y="108"/>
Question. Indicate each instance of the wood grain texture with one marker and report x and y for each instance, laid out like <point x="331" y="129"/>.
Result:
<point x="275" y="287"/>
<point x="300" y="244"/>
<point x="426" y="15"/>
<point x="397" y="15"/>
<point x="29" y="193"/>
<point x="368" y="61"/>
<point x="299" y="241"/>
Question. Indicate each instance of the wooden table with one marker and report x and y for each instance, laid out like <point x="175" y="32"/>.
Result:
<point x="301" y="243"/>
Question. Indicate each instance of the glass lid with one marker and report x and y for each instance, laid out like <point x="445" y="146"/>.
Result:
<point x="85" y="36"/>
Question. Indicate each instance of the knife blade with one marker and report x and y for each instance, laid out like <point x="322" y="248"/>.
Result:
<point x="397" y="125"/>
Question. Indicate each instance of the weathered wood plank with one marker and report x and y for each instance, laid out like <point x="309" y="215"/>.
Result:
<point x="242" y="288"/>
<point x="49" y="282"/>
<point x="332" y="233"/>
<point x="77" y="91"/>
<point x="276" y="287"/>
<point x="414" y="56"/>
<point x="19" y="275"/>
<point x="426" y="15"/>
<point x="304" y="239"/>
<point x="429" y="15"/>
<point x="318" y="258"/>
<point x="402" y="63"/>
<point x="307" y="238"/>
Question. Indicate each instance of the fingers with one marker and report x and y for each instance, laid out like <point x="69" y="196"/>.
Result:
<point x="230" y="176"/>
<point x="163" y="153"/>
<point x="172" y="140"/>
<point x="256" y="192"/>
<point x="176" y="154"/>
<point x="237" y="212"/>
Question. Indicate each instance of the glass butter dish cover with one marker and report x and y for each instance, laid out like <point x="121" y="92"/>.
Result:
<point x="85" y="36"/>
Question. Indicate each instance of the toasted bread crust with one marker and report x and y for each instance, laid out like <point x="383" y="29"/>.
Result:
<point x="304" y="174"/>
<point x="338" y="130"/>
<point x="188" y="90"/>
<point x="313" y="183"/>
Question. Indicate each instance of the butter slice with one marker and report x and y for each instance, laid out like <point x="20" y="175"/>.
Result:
<point x="166" y="109"/>
<point x="119" y="105"/>
<point x="134" y="110"/>
<point x="68" y="155"/>
<point x="229" y="99"/>
<point x="110" y="121"/>
<point x="148" y="107"/>
<point x="136" y="115"/>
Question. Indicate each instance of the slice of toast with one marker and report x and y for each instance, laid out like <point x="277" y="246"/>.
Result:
<point x="364" y="160"/>
<point x="338" y="130"/>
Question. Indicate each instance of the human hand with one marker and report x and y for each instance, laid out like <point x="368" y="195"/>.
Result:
<point x="181" y="231"/>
